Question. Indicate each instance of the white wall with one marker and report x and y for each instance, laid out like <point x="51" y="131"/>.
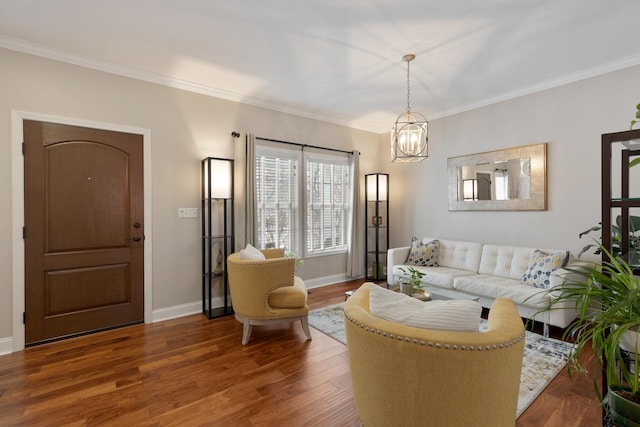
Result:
<point x="569" y="118"/>
<point x="185" y="127"/>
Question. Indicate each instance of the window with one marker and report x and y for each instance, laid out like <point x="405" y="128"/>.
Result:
<point x="277" y="194"/>
<point x="327" y="183"/>
<point x="292" y="204"/>
<point x="502" y="184"/>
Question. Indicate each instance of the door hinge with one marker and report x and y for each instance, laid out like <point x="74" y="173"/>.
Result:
<point x="24" y="317"/>
<point x="23" y="148"/>
<point x="24" y="232"/>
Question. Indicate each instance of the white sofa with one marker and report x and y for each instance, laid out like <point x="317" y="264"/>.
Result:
<point x="486" y="271"/>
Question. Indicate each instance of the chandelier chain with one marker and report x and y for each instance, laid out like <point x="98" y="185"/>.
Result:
<point x="408" y="88"/>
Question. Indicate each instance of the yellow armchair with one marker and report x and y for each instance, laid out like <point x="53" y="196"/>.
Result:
<point x="264" y="291"/>
<point x="408" y="376"/>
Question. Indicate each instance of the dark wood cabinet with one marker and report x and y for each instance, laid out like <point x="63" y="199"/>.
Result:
<point x="620" y="199"/>
<point x="620" y="208"/>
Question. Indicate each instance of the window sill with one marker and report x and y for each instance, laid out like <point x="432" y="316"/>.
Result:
<point x="326" y="253"/>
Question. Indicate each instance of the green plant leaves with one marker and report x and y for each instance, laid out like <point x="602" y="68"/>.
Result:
<point x="607" y="299"/>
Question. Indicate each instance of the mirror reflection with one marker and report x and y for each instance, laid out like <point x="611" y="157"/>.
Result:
<point x="500" y="180"/>
<point x="509" y="179"/>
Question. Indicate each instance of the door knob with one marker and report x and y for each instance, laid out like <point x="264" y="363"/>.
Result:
<point x="136" y="238"/>
<point x="137" y="225"/>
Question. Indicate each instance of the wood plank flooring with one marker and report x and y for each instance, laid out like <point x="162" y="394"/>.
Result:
<point x="192" y="371"/>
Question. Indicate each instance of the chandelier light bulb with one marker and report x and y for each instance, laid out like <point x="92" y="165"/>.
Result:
<point x="409" y="135"/>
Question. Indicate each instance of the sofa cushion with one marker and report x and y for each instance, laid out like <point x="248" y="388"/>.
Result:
<point x="541" y="265"/>
<point x="438" y="276"/>
<point x="504" y="261"/>
<point x="458" y="254"/>
<point x="493" y="287"/>
<point x="452" y="315"/>
<point x="423" y="253"/>
<point x="289" y="296"/>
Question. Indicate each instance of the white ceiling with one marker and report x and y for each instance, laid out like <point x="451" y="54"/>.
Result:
<point x="336" y="60"/>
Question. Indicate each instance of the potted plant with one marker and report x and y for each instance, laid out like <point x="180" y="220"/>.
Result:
<point x="607" y="299"/>
<point x="633" y="255"/>
<point x="414" y="285"/>
<point x="298" y="262"/>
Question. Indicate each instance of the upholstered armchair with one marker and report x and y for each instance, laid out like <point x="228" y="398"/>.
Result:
<point x="264" y="291"/>
<point x="408" y="376"/>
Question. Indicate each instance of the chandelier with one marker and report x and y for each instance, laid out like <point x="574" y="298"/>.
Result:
<point x="410" y="132"/>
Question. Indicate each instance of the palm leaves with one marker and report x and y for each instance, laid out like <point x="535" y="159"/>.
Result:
<point x="607" y="299"/>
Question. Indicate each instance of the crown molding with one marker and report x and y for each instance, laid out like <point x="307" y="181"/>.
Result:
<point x="130" y="72"/>
<point x="588" y="73"/>
<point x="133" y="73"/>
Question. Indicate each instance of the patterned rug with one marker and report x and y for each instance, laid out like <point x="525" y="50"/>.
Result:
<point x="543" y="357"/>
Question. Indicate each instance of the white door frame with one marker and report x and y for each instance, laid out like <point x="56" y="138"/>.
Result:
<point x="17" y="203"/>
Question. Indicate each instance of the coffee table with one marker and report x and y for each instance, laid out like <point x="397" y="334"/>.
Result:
<point x="445" y="294"/>
<point x="437" y="294"/>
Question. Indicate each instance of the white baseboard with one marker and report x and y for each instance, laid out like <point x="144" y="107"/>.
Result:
<point x="6" y="345"/>
<point x="166" y="313"/>
<point x="327" y="280"/>
<point x="172" y="312"/>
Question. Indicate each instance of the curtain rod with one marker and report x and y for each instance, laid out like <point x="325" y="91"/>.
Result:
<point x="305" y="145"/>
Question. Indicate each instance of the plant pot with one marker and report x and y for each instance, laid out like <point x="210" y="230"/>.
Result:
<point x="406" y="289"/>
<point x="377" y="271"/>
<point x="623" y="412"/>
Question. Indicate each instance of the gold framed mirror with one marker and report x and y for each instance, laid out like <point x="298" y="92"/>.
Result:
<point x="513" y="179"/>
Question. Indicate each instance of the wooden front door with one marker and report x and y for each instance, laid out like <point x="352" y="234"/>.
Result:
<point x="84" y="230"/>
<point x="484" y="186"/>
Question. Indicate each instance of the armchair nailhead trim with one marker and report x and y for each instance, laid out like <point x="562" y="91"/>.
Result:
<point x="461" y="347"/>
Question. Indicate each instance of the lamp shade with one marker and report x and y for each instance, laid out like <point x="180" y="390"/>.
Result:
<point x="377" y="186"/>
<point x="218" y="175"/>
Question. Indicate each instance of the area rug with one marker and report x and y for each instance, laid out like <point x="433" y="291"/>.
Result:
<point x="543" y="357"/>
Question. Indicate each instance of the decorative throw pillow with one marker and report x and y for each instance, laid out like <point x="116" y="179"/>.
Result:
<point x="541" y="265"/>
<point x="423" y="254"/>
<point x="251" y="253"/>
<point x="450" y="315"/>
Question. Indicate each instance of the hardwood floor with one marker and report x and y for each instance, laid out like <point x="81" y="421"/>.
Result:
<point x="193" y="371"/>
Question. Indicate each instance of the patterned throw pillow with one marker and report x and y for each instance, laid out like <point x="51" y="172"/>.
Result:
<point x="423" y="254"/>
<point x="541" y="265"/>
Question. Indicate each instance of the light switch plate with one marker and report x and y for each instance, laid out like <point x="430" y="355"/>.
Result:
<point x="187" y="212"/>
